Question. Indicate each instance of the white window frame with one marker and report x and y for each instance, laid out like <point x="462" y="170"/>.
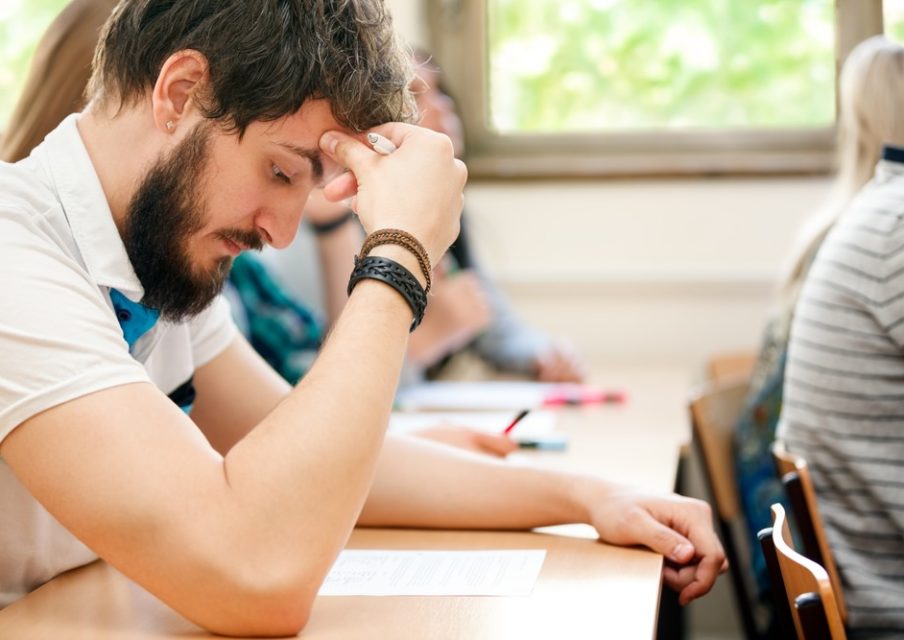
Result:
<point x="458" y="39"/>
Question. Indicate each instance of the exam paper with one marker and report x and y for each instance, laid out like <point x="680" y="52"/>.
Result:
<point x="534" y="425"/>
<point x="482" y="396"/>
<point x="366" y="572"/>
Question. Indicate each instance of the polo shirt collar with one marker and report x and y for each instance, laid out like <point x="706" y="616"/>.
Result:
<point x="85" y="206"/>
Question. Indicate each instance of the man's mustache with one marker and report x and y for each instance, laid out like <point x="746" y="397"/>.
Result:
<point x="247" y="240"/>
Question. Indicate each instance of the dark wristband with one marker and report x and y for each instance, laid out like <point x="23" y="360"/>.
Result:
<point x="396" y="276"/>
<point x="320" y="229"/>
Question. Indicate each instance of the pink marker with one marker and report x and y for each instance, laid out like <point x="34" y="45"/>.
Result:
<point x="581" y="394"/>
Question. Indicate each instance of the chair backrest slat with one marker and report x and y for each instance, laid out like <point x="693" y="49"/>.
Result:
<point x="801" y="576"/>
<point x="715" y="409"/>
<point x="782" y="623"/>
<point x="731" y="366"/>
<point x="812" y="616"/>
<point x="798" y="483"/>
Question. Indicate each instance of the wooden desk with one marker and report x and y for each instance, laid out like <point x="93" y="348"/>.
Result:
<point x="585" y="589"/>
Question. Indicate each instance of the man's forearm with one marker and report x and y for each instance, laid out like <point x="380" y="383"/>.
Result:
<point x="302" y="474"/>
<point x="423" y="484"/>
<point x="238" y="544"/>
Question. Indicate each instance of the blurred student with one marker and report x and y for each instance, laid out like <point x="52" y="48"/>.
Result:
<point x="56" y="81"/>
<point x="467" y="309"/>
<point x="867" y="109"/>
<point x="505" y="342"/>
<point x="839" y="348"/>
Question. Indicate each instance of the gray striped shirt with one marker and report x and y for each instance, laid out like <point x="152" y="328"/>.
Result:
<point x="844" y="399"/>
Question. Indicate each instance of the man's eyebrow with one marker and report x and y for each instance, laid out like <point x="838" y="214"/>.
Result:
<point x="312" y="155"/>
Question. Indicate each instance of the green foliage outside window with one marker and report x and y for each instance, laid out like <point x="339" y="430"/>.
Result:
<point x="575" y="65"/>
<point x="894" y="19"/>
<point x="22" y="23"/>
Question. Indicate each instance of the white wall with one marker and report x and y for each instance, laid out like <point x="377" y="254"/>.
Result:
<point x="410" y="19"/>
<point x="645" y="268"/>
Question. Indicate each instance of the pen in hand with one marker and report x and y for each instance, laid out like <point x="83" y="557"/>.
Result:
<point x="381" y="144"/>
<point x="518" y="418"/>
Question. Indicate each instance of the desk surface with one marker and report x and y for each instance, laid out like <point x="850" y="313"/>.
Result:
<point x="585" y="589"/>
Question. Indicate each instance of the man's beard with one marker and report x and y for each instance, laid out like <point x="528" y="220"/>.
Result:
<point x="165" y="212"/>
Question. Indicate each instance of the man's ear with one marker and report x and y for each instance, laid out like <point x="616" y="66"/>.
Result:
<point x="180" y="79"/>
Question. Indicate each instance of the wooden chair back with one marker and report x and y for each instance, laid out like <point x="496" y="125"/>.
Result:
<point x="731" y="366"/>
<point x="782" y="625"/>
<point x="811" y="596"/>
<point x="798" y="483"/>
<point x="714" y="410"/>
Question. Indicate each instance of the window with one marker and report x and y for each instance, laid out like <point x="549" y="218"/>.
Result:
<point x="602" y="65"/>
<point x="894" y="19"/>
<point x="608" y="87"/>
<point x="22" y="23"/>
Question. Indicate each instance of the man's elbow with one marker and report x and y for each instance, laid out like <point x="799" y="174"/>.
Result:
<point x="258" y="605"/>
<point x="263" y="620"/>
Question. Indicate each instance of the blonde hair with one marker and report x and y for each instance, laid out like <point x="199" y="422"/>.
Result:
<point x="871" y="101"/>
<point x="57" y="77"/>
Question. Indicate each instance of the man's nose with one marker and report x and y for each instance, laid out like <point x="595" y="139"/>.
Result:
<point x="279" y="226"/>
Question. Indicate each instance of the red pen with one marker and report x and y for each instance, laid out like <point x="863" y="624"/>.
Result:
<point x="518" y="418"/>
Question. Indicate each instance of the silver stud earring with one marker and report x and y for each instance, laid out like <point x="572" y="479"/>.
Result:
<point x="170" y="125"/>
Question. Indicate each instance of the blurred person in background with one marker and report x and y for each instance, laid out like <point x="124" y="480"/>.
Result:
<point x="844" y="377"/>
<point x="871" y="99"/>
<point x="467" y="312"/>
<point x="57" y="78"/>
<point x="505" y="341"/>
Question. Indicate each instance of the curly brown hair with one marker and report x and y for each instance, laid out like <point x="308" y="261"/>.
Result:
<point x="265" y="57"/>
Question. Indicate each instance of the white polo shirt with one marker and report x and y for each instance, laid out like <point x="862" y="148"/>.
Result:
<point x="60" y="254"/>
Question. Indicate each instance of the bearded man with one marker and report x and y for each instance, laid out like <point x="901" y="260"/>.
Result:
<point x="136" y="425"/>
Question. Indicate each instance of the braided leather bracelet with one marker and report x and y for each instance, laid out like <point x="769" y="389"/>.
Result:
<point x="403" y="239"/>
<point x="397" y="277"/>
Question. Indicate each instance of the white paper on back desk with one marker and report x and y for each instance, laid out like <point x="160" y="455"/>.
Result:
<point x="473" y="396"/>
<point x="387" y="572"/>
<point x="534" y="424"/>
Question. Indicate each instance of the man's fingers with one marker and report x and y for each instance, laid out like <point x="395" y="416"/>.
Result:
<point x="382" y="183"/>
<point x="693" y="591"/>
<point x="341" y="187"/>
<point x="350" y="152"/>
<point x="705" y="575"/>
<point x="680" y="529"/>
<point x="709" y="549"/>
<point x="678" y="578"/>
<point x="662" y="539"/>
<point x="693" y="580"/>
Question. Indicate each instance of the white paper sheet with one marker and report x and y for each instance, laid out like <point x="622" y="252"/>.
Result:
<point x="367" y="572"/>
<point x="534" y="424"/>
<point x="494" y="396"/>
<point x="480" y="396"/>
